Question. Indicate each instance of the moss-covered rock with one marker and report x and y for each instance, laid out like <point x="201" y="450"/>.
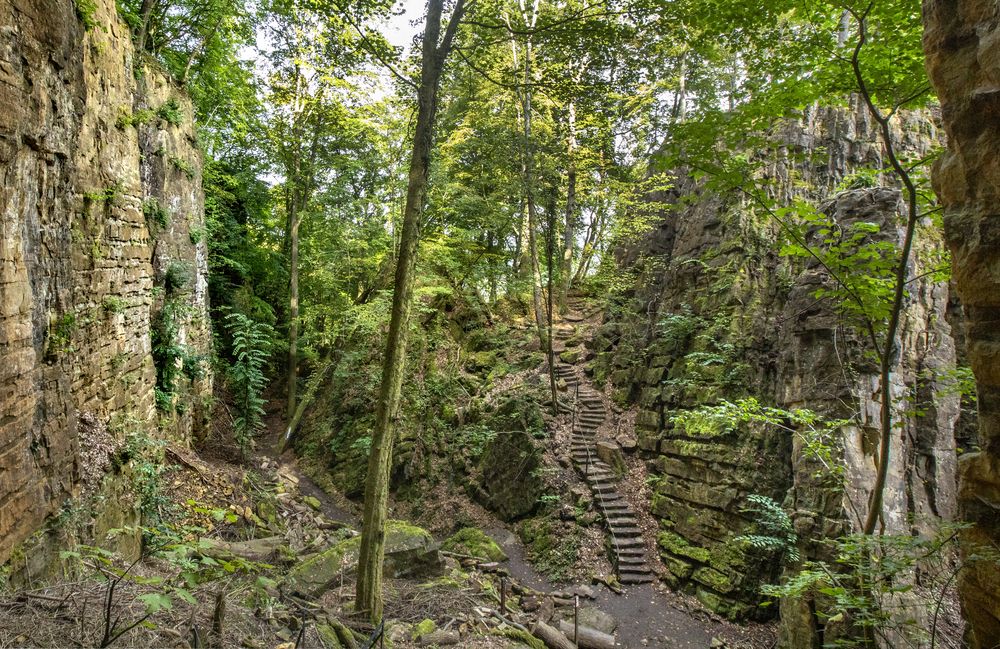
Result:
<point x="553" y="545"/>
<point x="475" y="543"/>
<point x="422" y="628"/>
<point x="509" y="481"/>
<point x="409" y="551"/>
<point x="678" y="546"/>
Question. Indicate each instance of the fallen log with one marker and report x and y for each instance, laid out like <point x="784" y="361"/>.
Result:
<point x="553" y="638"/>
<point x="587" y="638"/>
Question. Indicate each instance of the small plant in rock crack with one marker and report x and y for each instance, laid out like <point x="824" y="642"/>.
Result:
<point x="182" y="165"/>
<point x="170" y="112"/>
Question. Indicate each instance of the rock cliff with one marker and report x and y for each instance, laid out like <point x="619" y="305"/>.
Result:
<point x="962" y="43"/>
<point x="102" y="265"/>
<point x="717" y="315"/>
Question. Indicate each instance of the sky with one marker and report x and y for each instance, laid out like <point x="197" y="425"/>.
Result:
<point x="399" y="31"/>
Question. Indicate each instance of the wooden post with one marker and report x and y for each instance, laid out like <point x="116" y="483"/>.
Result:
<point x="576" y="619"/>
<point x="503" y="594"/>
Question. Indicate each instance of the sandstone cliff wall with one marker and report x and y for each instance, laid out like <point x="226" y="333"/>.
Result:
<point x="717" y="314"/>
<point x="100" y="200"/>
<point x="962" y="43"/>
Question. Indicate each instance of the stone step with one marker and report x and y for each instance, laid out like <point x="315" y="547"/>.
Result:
<point x="631" y="561"/>
<point x="622" y="519"/>
<point x="635" y="578"/>
<point x="628" y="542"/>
<point x="632" y="554"/>
<point x="603" y="488"/>
<point x="624" y="531"/>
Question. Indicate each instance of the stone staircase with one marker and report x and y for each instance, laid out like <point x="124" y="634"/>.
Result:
<point x="628" y="550"/>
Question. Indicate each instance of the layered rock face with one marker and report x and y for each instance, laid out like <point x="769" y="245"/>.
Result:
<point x="717" y="315"/>
<point x="962" y="43"/>
<point x="100" y="201"/>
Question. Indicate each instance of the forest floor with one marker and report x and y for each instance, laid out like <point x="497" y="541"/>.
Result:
<point x="244" y="527"/>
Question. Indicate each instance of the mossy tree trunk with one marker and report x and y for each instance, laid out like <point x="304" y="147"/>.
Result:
<point x="372" y="552"/>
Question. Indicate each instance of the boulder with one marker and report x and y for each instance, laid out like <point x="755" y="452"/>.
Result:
<point x="611" y="454"/>
<point x="510" y="484"/>
<point x="409" y="552"/>
<point x="474" y="543"/>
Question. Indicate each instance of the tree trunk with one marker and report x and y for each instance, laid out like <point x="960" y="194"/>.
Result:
<point x="369" y="584"/>
<point x="293" y="308"/>
<point x="145" y="14"/>
<point x="593" y="234"/>
<point x="552" y="637"/>
<point x="569" y="233"/>
<point x="587" y="638"/>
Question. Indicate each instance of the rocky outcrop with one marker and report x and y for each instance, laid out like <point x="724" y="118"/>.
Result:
<point x="101" y="209"/>
<point x="718" y="315"/>
<point x="962" y="42"/>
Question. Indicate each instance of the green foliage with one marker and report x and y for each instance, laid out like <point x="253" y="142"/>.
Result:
<point x="860" y="590"/>
<point x="858" y="256"/>
<point x="818" y="436"/>
<point x="114" y="304"/>
<point x="144" y="455"/>
<point x="251" y="348"/>
<point x="170" y="112"/>
<point x="86" y="10"/>
<point x="108" y="195"/>
<point x="171" y="359"/>
<point x="60" y="335"/>
<point x="157" y="217"/>
<point x="772" y="530"/>
<point x="177" y="278"/>
<point x="183" y="166"/>
<point x="127" y="117"/>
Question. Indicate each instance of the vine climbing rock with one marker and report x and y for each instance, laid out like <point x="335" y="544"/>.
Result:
<point x="627" y="547"/>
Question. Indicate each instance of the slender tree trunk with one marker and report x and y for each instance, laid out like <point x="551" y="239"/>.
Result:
<point x="550" y="253"/>
<point x="369" y="585"/>
<point x="528" y="169"/>
<point x="293" y="307"/>
<point x="569" y="232"/>
<point x="145" y="15"/>
<point x="593" y="233"/>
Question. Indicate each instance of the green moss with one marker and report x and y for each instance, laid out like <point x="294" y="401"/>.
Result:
<point x="552" y="548"/>
<point x="518" y="635"/>
<point x="422" y="628"/>
<point x="86" y="10"/>
<point x="474" y="542"/>
<point x="713" y="579"/>
<point x="677" y="545"/>
<point x="157" y="218"/>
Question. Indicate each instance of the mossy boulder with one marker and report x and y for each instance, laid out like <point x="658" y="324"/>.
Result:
<point x="410" y="551"/>
<point x="475" y="543"/>
<point x="422" y="628"/>
<point x="509" y="481"/>
<point x="678" y="546"/>
<point x="571" y="356"/>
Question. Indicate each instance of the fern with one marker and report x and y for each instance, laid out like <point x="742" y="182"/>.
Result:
<point x="772" y="530"/>
<point x="251" y="349"/>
